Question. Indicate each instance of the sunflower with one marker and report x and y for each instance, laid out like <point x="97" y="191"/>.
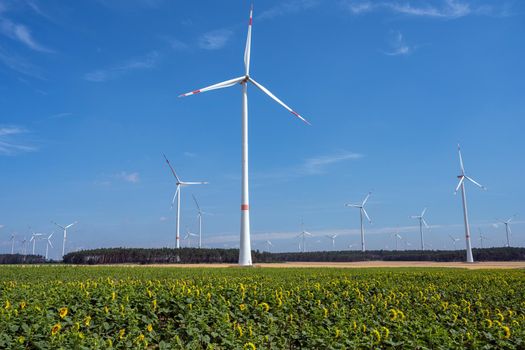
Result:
<point x="265" y="306"/>
<point x="250" y="346"/>
<point x="56" y="328"/>
<point x="149" y="328"/>
<point x="62" y="312"/>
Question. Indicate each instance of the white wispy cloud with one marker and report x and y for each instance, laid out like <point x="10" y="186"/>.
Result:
<point x="177" y="44"/>
<point x="163" y="218"/>
<point x="19" y="64"/>
<point x="319" y="164"/>
<point x="128" y="177"/>
<point x="20" y="33"/>
<point x="398" y="45"/>
<point x="216" y="39"/>
<point x="287" y="7"/>
<point x="447" y="9"/>
<point x="9" y="141"/>
<point x="148" y="61"/>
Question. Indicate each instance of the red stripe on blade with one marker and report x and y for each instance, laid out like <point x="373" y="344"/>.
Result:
<point x="195" y="92"/>
<point x="245" y="207"/>
<point x="250" y="23"/>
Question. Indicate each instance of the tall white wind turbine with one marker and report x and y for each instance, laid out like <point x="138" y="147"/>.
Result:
<point x="64" y="229"/>
<point x="245" y="256"/>
<point x="461" y="184"/>
<point x="48" y="243"/>
<point x="34" y="237"/>
<point x="397" y="236"/>
<point x="362" y="212"/>
<point x="303" y="234"/>
<point x="421" y="223"/>
<point x="482" y="237"/>
<point x="177" y="194"/>
<point x="508" y="231"/>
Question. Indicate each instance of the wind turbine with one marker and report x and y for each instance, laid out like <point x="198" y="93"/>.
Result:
<point x="421" y="223"/>
<point x="269" y="245"/>
<point x="48" y="243"/>
<point x="461" y="184"/>
<point x="508" y="231"/>
<point x="64" y="228"/>
<point x="13" y="243"/>
<point x="188" y="236"/>
<point x="33" y="239"/>
<point x="245" y="256"/>
<point x="396" y="237"/>
<point x="454" y="240"/>
<point x="332" y="237"/>
<point x="24" y="246"/>
<point x="361" y="212"/>
<point x="482" y="237"/>
<point x="303" y="234"/>
<point x="177" y="194"/>
<point x="199" y="215"/>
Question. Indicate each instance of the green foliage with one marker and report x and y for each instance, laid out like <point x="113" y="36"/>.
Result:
<point x="68" y="307"/>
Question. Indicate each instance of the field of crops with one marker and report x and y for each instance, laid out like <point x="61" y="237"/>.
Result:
<point x="65" y="307"/>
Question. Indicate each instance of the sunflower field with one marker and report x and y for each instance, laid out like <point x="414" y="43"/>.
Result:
<point x="67" y="307"/>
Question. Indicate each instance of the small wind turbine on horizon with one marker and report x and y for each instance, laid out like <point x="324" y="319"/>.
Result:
<point x="454" y="240"/>
<point x="245" y="255"/>
<point x="461" y="184"/>
<point x="421" y="223"/>
<point x="332" y="237"/>
<point x="508" y="231"/>
<point x="48" y="243"/>
<point x="362" y="212"/>
<point x="397" y="236"/>
<point x="188" y="236"/>
<point x="199" y="215"/>
<point x="269" y="245"/>
<point x="64" y="228"/>
<point x="177" y="195"/>
<point x="13" y="243"/>
<point x="303" y="234"/>
<point x="482" y="237"/>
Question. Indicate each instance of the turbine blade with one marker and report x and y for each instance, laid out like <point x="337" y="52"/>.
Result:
<point x="172" y="170"/>
<point x="461" y="161"/>
<point x="221" y="85"/>
<point x="175" y="196"/>
<point x="307" y="233"/>
<point x="267" y="92"/>
<point x="195" y="183"/>
<point x="425" y="223"/>
<point x="248" y="44"/>
<point x="475" y="183"/>
<point x="366" y="214"/>
<point x="51" y="244"/>
<point x="366" y="199"/>
<point x="423" y="212"/>
<point x="62" y="227"/>
<point x="68" y="226"/>
<point x="353" y="205"/>
<point x="459" y="184"/>
<point x="196" y="203"/>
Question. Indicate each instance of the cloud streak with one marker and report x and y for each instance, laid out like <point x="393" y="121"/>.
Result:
<point x="446" y="9"/>
<point x="22" y="34"/>
<point x="288" y="7"/>
<point x="398" y="46"/>
<point x="128" y="177"/>
<point x="214" y="40"/>
<point x="149" y="61"/>
<point x="9" y="146"/>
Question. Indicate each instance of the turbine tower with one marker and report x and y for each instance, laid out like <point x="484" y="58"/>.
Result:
<point x="245" y="255"/>
<point x="34" y="237"/>
<point x="461" y="184"/>
<point x="64" y="228"/>
<point x="421" y="223"/>
<point x="397" y="236"/>
<point x="362" y="212"/>
<point x="13" y="243"/>
<point x="48" y="243"/>
<point x="177" y="194"/>
<point x="508" y="231"/>
<point x="482" y="237"/>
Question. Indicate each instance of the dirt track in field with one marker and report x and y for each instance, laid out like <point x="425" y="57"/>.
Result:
<point x="367" y="264"/>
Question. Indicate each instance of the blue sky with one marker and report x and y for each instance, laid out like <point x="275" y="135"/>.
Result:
<point x="88" y="104"/>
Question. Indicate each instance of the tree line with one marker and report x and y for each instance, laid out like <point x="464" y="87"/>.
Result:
<point x="230" y="256"/>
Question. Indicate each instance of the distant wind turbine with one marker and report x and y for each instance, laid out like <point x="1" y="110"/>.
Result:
<point x="188" y="236"/>
<point x="245" y="255"/>
<point x="200" y="213"/>
<point x="454" y="240"/>
<point x="269" y="245"/>
<point x="303" y="234"/>
<point x="64" y="228"/>
<point x="48" y="243"/>
<point x="482" y="237"/>
<point x="397" y="236"/>
<point x="508" y="231"/>
<point x="34" y="237"/>
<point x="461" y="184"/>
<point x="332" y="237"/>
<point x="362" y="212"/>
<point x="13" y="243"/>
<point x="177" y="194"/>
<point x="421" y="223"/>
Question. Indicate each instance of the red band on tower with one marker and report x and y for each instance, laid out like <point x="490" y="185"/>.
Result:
<point x="245" y="207"/>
